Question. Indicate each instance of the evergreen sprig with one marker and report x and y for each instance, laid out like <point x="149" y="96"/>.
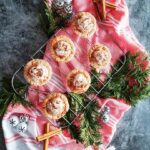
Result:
<point x="130" y="83"/>
<point x="51" y="21"/>
<point x="7" y="95"/>
<point x="89" y="125"/>
<point x="88" y="130"/>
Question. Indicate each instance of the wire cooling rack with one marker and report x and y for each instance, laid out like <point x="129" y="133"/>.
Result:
<point x="18" y="75"/>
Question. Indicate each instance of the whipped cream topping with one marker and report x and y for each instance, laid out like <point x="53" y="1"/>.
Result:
<point x="39" y="71"/>
<point x="85" y="23"/>
<point x="62" y="48"/>
<point x="100" y="56"/>
<point x="79" y="80"/>
<point x="56" y="106"/>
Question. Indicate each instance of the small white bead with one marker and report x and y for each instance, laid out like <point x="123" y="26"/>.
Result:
<point x="14" y="121"/>
<point x="22" y="127"/>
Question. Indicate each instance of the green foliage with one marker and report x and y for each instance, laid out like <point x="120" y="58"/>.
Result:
<point x="48" y="22"/>
<point x="7" y="95"/>
<point x="130" y="83"/>
<point x="88" y="130"/>
<point x="76" y="101"/>
<point x="51" y="21"/>
<point x="89" y="125"/>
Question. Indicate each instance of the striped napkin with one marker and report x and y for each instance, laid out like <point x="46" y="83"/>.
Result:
<point x="117" y="35"/>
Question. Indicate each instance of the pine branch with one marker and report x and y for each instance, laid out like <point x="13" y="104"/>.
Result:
<point x="89" y="126"/>
<point x="75" y="102"/>
<point x="51" y="21"/>
<point x="130" y="83"/>
<point x="48" y="22"/>
<point x="7" y="95"/>
<point x="88" y="131"/>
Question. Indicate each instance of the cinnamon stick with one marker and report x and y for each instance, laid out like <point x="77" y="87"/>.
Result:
<point x="46" y="142"/>
<point x="48" y="135"/>
<point x="103" y="9"/>
<point x="97" y="9"/>
<point x="110" y="5"/>
<point x="102" y="16"/>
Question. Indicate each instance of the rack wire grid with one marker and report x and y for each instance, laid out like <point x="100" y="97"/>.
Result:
<point x="41" y="51"/>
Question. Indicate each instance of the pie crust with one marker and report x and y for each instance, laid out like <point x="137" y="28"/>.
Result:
<point x="84" y="24"/>
<point x="63" y="42"/>
<point x="99" y="56"/>
<point x="82" y="87"/>
<point x="37" y="72"/>
<point x="55" y="106"/>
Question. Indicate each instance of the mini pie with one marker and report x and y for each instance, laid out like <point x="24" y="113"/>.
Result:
<point x="37" y="72"/>
<point x="99" y="56"/>
<point x="78" y="81"/>
<point x="62" y="48"/>
<point x="55" y="106"/>
<point x="84" y="24"/>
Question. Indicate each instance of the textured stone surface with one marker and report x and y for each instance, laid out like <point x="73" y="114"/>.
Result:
<point x="21" y="35"/>
<point x="133" y="131"/>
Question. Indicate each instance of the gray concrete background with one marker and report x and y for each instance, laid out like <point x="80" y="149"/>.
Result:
<point x="21" y="35"/>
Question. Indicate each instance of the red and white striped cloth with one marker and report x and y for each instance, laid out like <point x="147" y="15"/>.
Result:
<point x="116" y="36"/>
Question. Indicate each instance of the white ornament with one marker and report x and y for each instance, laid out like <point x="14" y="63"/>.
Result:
<point x="68" y="9"/>
<point x="106" y="109"/>
<point x="14" y="121"/>
<point x="22" y="127"/>
<point x="24" y="118"/>
<point x="58" y="3"/>
<point x="105" y="118"/>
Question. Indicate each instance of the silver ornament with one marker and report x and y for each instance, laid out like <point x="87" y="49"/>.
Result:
<point x="105" y="118"/>
<point x="68" y="9"/>
<point x="22" y="127"/>
<point x="68" y="1"/>
<point x="57" y="4"/>
<point x="106" y="109"/>
<point x="14" y="121"/>
<point x="21" y="118"/>
<point x="24" y="118"/>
